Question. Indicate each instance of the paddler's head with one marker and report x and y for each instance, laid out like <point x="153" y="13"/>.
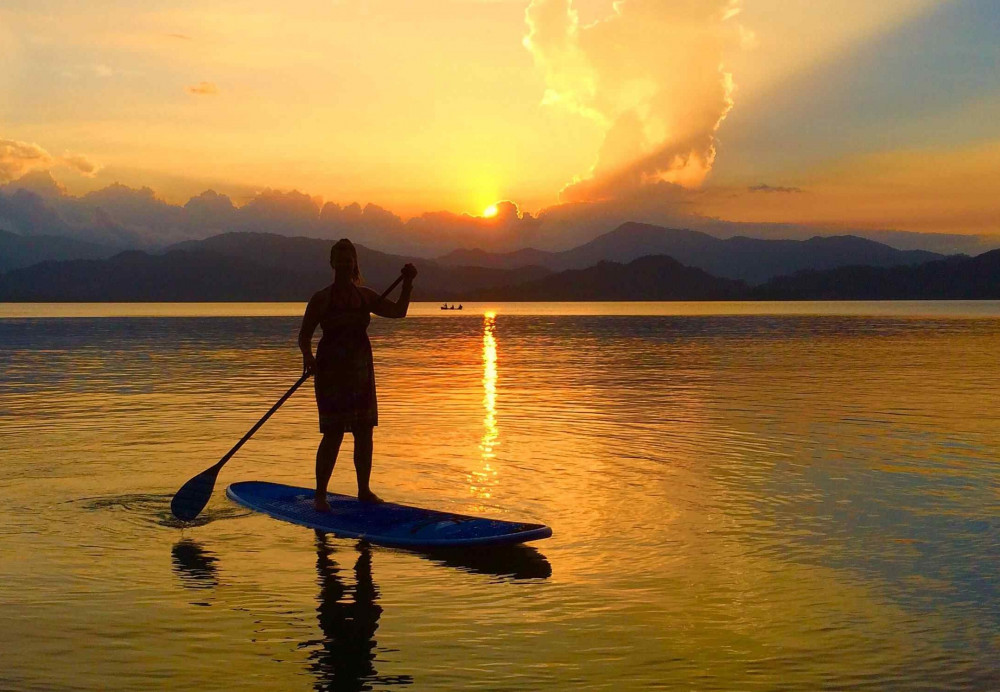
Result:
<point x="344" y="260"/>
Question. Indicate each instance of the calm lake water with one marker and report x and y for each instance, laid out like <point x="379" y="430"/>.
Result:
<point x="743" y="496"/>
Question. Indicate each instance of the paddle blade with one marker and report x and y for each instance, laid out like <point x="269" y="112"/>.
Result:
<point x="194" y="495"/>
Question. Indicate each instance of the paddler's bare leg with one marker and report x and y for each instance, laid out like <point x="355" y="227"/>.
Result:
<point x="326" y="459"/>
<point x="363" y="464"/>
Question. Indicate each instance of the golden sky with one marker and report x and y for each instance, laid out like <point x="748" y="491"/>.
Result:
<point x="850" y="112"/>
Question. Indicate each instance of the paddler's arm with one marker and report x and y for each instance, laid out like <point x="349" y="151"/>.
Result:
<point x="384" y="307"/>
<point x="309" y="321"/>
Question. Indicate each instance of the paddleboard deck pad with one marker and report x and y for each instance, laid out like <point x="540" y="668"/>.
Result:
<point x="382" y="524"/>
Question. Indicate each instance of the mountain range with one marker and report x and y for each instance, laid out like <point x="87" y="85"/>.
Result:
<point x="24" y="250"/>
<point x="234" y="267"/>
<point x="663" y="278"/>
<point x="656" y="277"/>
<point x="954" y="278"/>
<point x="632" y="262"/>
<point x="753" y="260"/>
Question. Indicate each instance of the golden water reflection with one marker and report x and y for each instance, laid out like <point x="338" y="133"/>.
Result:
<point x="793" y="503"/>
<point x="483" y="480"/>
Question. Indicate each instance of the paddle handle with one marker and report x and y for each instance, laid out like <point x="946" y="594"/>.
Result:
<point x="284" y="398"/>
<point x="392" y="286"/>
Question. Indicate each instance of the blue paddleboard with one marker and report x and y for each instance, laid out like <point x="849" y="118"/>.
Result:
<point x="383" y="524"/>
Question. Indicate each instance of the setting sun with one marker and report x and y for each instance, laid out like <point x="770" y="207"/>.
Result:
<point x="490" y="211"/>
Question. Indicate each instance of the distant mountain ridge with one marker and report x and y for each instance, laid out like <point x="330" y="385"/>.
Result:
<point x="502" y="260"/>
<point x="311" y="256"/>
<point x="23" y="251"/>
<point x="747" y="259"/>
<point x="262" y="267"/>
<point x="953" y="278"/>
<point x="266" y="266"/>
<point x="236" y="267"/>
<point x="176" y="276"/>
<point x="660" y="277"/>
<point x="655" y="277"/>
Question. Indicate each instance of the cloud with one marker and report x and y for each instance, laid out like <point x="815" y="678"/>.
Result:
<point x="773" y="188"/>
<point x="651" y="74"/>
<point x="507" y="211"/>
<point x="203" y="89"/>
<point x="285" y="213"/>
<point x="18" y="158"/>
<point x="81" y="164"/>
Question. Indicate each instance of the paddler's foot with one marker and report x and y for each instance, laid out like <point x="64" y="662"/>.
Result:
<point x="370" y="497"/>
<point x="320" y="503"/>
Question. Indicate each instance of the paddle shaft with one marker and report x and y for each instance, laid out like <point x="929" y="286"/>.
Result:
<point x="284" y="398"/>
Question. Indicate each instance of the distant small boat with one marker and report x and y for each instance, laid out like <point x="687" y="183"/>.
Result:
<point x="445" y="307"/>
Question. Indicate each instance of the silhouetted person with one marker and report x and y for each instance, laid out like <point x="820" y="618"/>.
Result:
<point x="345" y="375"/>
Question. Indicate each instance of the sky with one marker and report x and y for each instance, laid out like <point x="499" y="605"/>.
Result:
<point x="836" y="112"/>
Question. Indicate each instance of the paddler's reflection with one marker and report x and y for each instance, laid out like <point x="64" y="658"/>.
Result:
<point x="194" y="565"/>
<point x="347" y="609"/>
<point x="348" y="617"/>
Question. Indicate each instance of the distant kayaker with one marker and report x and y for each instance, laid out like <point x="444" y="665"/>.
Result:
<point x="343" y="368"/>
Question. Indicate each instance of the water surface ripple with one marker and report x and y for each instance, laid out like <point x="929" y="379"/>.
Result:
<point x="793" y="498"/>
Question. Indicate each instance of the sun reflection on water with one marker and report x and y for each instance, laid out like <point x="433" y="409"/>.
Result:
<point x="482" y="480"/>
<point x="813" y="498"/>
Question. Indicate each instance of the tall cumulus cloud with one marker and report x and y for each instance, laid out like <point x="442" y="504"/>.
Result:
<point x="651" y="74"/>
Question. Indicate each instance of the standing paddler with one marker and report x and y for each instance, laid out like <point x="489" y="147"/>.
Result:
<point x="343" y="367"/>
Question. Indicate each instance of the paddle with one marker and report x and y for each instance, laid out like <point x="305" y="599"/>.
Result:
<point x="194" y="495"/>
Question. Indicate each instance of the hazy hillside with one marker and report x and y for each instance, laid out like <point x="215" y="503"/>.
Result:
<point x="663" y="278"/>
<point x="259" y="266"/>
<point x="501" y="260"/>
<point x="648" y="278"/>
<point x="748" y="259"/>
<point x="237" y="266"/>
<point x="297" y="255"/>
<point x="137" y="276"/>
<point x="941" y="243"/>
<point x="312" y="256"/>
<point x="955" y="278"/>
<point x="23" y="251"/>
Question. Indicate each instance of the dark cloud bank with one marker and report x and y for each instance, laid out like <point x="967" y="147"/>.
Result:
<point x="120" y="217"/>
